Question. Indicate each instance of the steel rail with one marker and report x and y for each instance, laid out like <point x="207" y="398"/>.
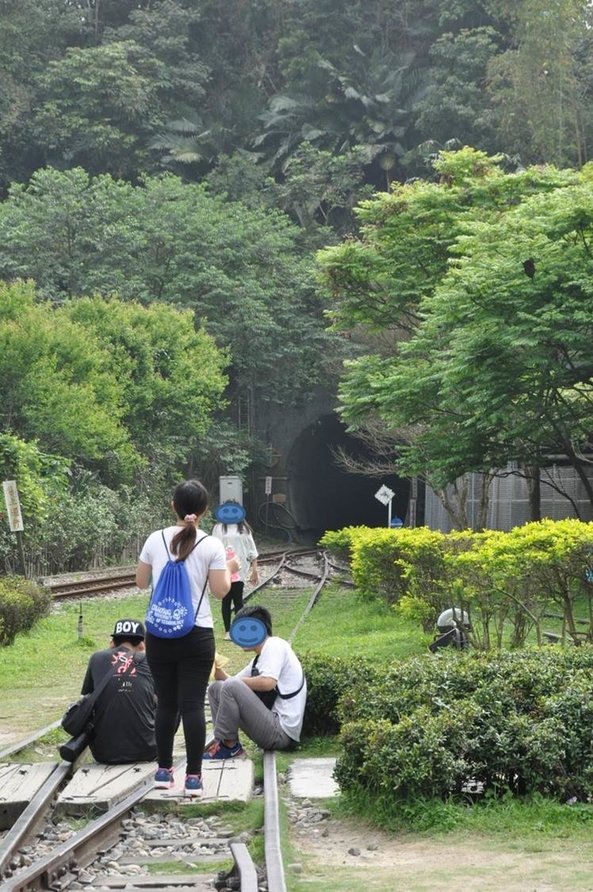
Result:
<point x="313" y="599"/>
<point x="73" y="590"/>
<point x="104" y="580"/>
<point x="62" y="865"/>
<point x="29" y="819"/>
<point x="339" y="569"/>
<point x="95" y="580"/>
<point x="267" y="580"/>
<point x="270" y="555"/>
<point x="244" y="867"/>
<point x="272" y="848"/>
<point x="309" y="574"/>
<point x="77" y="852"/>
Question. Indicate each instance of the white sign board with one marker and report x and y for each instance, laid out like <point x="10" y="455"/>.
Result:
<point x="13" y="506"/>
<point x="384" y="495"/>
<point x="268" y="486"/>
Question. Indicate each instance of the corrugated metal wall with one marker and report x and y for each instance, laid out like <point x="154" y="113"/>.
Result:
<point x="509" y="502"/>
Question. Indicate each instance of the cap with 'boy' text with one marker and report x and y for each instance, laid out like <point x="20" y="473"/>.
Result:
<point x="128" y="627"/>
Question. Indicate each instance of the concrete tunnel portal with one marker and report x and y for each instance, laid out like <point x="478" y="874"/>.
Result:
<point x="324" y="496"/>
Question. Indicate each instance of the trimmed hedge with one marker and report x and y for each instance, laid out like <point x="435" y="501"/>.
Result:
<point x="506" y="581"/>
<point x="516" y="721"/>
<point x="22" y="603"/>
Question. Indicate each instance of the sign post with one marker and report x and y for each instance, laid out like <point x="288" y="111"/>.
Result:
<point x="412" y="502"/>
<point x="268" y="492"/>
<point x="385" y="496"/>
<point x="15" y="518"/>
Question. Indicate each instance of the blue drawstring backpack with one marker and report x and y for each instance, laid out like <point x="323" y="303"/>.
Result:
<point x="171" y="613"/>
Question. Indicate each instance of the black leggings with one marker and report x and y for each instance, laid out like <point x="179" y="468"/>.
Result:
<point x="181" y="668"/>
<point x="234" y="598"/>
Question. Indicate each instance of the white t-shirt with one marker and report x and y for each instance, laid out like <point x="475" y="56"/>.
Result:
<point x="278" y="660"/>
<point x="207" y="555"/>
<point x="241" y="543"/>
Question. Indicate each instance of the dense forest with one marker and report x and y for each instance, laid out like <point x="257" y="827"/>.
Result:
<point x="169" y="171"/>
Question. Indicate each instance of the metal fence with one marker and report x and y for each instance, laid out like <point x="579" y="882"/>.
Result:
<point x="508" y="502"/>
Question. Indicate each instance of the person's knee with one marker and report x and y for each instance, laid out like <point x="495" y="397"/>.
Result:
<point x="232" y="687"/>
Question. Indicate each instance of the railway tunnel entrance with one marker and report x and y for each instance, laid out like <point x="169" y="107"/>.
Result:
<point x="324" y="496"/>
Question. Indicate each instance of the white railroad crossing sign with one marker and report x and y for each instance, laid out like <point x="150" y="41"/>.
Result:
<point x="384" y="495"/>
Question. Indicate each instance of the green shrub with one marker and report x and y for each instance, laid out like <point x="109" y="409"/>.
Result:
<point x="515" y="721"/>
<point x="327" y="680"/>
<point x="390" y="565"/>
<point x="339" y="542"/>
<point x="22" y="602"/>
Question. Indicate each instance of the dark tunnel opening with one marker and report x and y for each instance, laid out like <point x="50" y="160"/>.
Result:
<point x="323" y="496"/>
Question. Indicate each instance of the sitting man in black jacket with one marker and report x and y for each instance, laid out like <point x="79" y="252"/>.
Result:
<point x="123" y="720"/>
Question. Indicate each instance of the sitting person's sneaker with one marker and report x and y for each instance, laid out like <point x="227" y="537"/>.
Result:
<point x="193" y="785"/>
<point x="219" y="750"/>
<point x="163" y="779"/>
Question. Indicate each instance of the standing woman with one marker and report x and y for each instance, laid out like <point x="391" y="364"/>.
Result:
<point x="238" y="537"/>
<point x="181" y="666"/>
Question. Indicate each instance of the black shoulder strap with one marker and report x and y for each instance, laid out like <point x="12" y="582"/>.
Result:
<point x="94" y="694"/>
<point x="293" y="693"/>
<point x="195" y="545"/>
<point x="283" y="696"/>
<point x="206" y="581"/>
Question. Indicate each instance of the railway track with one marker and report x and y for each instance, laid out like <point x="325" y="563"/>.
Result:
<point x="82" y="585"/>
<point x="77" y="585"/>
<point x="66" y="863"/>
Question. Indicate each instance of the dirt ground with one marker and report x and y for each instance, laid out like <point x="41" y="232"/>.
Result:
<point x="345" y="857"/>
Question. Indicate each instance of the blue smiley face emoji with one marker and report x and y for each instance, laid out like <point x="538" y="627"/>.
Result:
<point x="229" y="512"/>
<point x="248" y="632"/>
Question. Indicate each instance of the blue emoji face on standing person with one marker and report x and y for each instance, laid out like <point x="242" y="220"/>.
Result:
<point x="229" y="512"/>
<point x="248" y="632"/>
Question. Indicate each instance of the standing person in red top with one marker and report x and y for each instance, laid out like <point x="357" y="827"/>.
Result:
<point x="181" y="666"/>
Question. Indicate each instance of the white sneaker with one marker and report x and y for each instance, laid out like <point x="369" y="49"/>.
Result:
<point x="226" y="636"/>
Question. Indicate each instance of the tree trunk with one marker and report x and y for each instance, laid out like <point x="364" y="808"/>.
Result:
<point x="533" y="480"/>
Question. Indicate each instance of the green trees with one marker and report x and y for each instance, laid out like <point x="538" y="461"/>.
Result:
<point x="56" y="388"/>
<point x="540" y="84"/>
<point x="106" y="384"/>
<point x="96" y="106"/>
<point x="170" y="376"/>
<point x="239" y="269"/>
<point x="127" y="88"/>
<point x="483" y="281"/>
<point x="103" y="404"/>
